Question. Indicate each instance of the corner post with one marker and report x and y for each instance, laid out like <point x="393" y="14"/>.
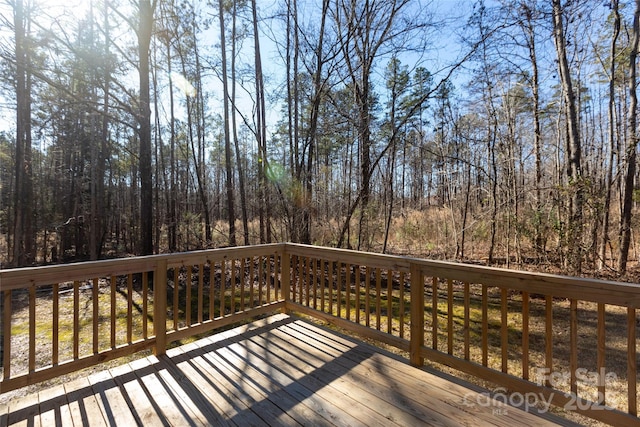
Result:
<point x="285" y="277"/>
<point x="417" y="315"/>
<point x="160" y="307"/>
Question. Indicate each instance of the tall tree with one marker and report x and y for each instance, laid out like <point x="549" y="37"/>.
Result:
<point x="611" y="113"/>
<point x="241" y="178"/>
<point x="23" y="251"/>
<point x="366" y="27"/>
<point x="101" y="216"/>
<point x="632" y="144"/>
<point x="227" y="137"/>
<point x="261" y="133"/>
<point x="397" y="82"/>
<point x="167" y="35"/>
<point x="574" y="148"/>
<point x="145" y="26"/>
<point x="531" y="14"/>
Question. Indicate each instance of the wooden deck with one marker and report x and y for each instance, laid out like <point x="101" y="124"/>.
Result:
<point x="276" y="371"/>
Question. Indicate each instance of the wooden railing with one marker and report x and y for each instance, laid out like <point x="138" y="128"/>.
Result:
<point x="59" y="319"/>
<point x="537" y="338"/>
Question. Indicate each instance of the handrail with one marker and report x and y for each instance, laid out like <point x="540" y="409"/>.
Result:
<point x="498" y="325"/>
<point x="597" y="290"/>
<point x="509" y="327"/>
<point x="122" y="306"/>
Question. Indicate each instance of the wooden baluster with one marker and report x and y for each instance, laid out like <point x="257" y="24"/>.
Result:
<point x="285" y="279"/>
<point x="348" y="292"/>
<point x="76" y="319"/>
<point x="632" y="364"/>
<point x="276" y="280"/>
<point x="416" y="313"/>
<point x="504" y="330"/>
<point x="525" y="335"/>
<point x="129" y="308"/>
<point x="200" y="293"/>
<point x="315" y="266"/>
<point x="450" y="316"/>
<point x="32" y="329"/>
<point x="467" y="336"/>
<point x="323" y="279"/>
<point x="389" y="301"/>
<point x="6" y="335"/>
<point x="307" y="283"/>
<point x="251" y="282"/>
<point x="268" y="278"/>
<point x="243" y="263"/>
<point x="176" y="298"/>
<point x="55" y="325"/>
<point x="331" y="266"/>
<point x="234" y="284"/>
<point x="402" y="307"/>
<point x="549" y="337"/>
<point x="434" y="313"/>
<point x="485" y="325"/>
<point x="160" y="307"/>
<point x="260" y="278"/>
<point x="601" y="346"/>
<point x="301" y="278"/>
<point x="223" y="286"/>
<point x="188" y="302"/>
<point x="145" y="304"/>
<point x="356" y="287"/>
<point x="573" y="340"/>
<point x="378" y="297"/>
<point x="212" y="287"/>
<point x="113" y="284"/>
<point x="96" y="314"/>
<point x="339" y="289"/>
<point x="367" y="296"/>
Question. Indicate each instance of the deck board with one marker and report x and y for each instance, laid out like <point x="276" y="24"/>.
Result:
<point x="277" y="371"/>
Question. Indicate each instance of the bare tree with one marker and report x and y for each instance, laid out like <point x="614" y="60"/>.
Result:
<point x="227" y="137"/>
<point x="366" y="28"/>
<point x="632" y="145"/>
<point x="241" y="176"/>
<point x="261" y="137"/>
<point x="574" y="148"/>
<point x="611" y="117"/>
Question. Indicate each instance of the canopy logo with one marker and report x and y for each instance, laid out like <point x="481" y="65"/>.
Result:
<point x="500" y="399"/>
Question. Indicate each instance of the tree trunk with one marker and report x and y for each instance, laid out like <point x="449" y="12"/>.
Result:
<point x="530" y="35"/>
<point x="101" y="221"/>
<point x="201" y="126"/>
<point x="227" y="138"/>
<point x="23" y="202"/>
<point x="144" y="130"/>
<point x="602" y="261"/>
<point x="318" y="88"/>
<point x="632" y="146"/>
<point x="261" y="128"/>
<point x="172" y="196"/>
<point x="243" y="196"/>
<point x="574" y="154"/>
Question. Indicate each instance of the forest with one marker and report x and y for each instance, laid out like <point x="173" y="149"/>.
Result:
<point x="501" y="132"/>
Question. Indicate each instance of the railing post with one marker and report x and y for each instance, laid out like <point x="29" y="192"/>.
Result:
<point x="285" y="277"/>
<point x="417" y="315"/>
<point x="160" y="307"/>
